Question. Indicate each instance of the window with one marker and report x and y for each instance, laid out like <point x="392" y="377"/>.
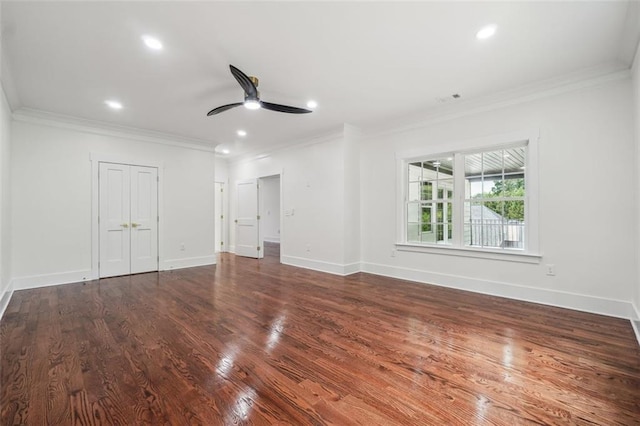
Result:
<point x="429" y="208"/>
<point x="476" y="199"/>
<point x="494" y="198"/>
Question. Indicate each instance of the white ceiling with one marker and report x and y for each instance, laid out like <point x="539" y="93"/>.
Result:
<point x="366" y="63"/>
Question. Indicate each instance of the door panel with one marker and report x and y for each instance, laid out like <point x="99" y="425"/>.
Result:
<point x="247" y="242"/>
<point x="114" y="197"/>
<point x="144" y="219"/>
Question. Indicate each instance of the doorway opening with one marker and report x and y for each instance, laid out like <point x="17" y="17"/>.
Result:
<point x="270" y="216"/>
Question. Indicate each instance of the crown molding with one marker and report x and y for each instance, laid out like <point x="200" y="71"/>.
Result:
<point x="584" y="79"/>
<point x="34" y="116"/>
<point x="293" y="144"/>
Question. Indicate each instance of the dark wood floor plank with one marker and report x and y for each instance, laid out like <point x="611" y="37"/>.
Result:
<point x="256" y="342"/>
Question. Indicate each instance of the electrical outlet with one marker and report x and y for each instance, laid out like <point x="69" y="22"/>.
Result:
<point x="181" y="246"/>
<point x="308" y="247"/>
<point x="394" y="252"/>
<point x="551" y="269"/>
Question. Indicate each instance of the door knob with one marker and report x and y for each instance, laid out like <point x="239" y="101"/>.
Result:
<point x="135" y="225"/>
<point x="125" y="225"/>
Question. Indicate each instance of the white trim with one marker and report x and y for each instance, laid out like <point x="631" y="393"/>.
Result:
<point x="5" y="298"/>
<point x="96" y="159"/>
<point x="46" y="280"/>
<point x="578" y="302"/>
<point x="34" y="116"/>
<point x="583" y="79"/>
<point x="294" y="144"/>
<point x="271" y="239"/>
<point x="635" y="324"/>
<point x="352" y="268"/>
<point x="321" y="266"/>
<point x="189" y="262"/>
<point x="504" y="255"/>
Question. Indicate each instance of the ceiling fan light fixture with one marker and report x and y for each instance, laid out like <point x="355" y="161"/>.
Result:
<point x="251" y="104"/>
<point x="113" y="104"/>
<point x="486" y="32"/>
<point x="152" y="42"/>
<point x="312" y="104"/>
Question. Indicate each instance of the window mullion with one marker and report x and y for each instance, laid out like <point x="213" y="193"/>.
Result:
<point x="458" y="201"/>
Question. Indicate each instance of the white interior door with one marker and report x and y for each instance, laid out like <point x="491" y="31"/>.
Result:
<point x="128" y="221"/>
<point x="115" y="254"/>
<point x="144" y="219"/>
<point x="247" y="241"/>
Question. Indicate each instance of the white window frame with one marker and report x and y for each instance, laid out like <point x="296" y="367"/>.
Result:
<point x="531" y="251"/>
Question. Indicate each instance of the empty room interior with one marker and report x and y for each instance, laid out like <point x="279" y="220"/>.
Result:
<point x="314" y="213"/>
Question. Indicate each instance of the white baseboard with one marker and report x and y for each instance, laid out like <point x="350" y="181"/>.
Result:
<point x="635" y="323"/>
<point x="189" y="262"/>
<point x="578" y="302"/>
<point x="45" y="280"/>
<point x="319" y="265"/>
<point x="5" y="298"/>
<point x="272" y="239"/>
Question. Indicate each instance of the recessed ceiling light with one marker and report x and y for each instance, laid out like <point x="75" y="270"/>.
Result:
<point x="225" y="151"/>
<point x="241" y="133"/>
<point x="486" y="32"/>
<point x="312" y="104"/>
<point x="152" y="43"/>
<point x="113" y="104"/>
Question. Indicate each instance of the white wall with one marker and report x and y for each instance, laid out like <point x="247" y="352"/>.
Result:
<point x="51" y="181"/>
<point x="270" y="208"/>
<point x="352" y="237"/>
<point x="5" y="195"/>
<point x="313" y="187"/>
<point x="587" y="212"/>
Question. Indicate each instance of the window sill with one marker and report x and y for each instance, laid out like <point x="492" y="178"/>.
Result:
<point x="503" y="255"/>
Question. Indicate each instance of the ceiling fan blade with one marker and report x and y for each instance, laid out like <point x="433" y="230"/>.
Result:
<point x="245" y="82"/>
<point x="283" y="108"/>
<point x="223" y="108"/>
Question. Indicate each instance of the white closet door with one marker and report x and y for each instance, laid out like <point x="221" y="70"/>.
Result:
<point x="115" y="255"/>
<point x="144" y="219"/>
<point x="247" y="243"/>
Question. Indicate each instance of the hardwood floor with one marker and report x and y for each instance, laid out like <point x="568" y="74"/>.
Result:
<point x="255" y="342"/>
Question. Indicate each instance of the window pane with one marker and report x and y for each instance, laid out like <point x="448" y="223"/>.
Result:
<point x="445" y="188"/>
<point x="427" y="190"/>
<point x="413" y="233"/>
<point x="415" y="172"/>
<point x="514" y="210"/>
<point x="426" y="218"/>
<point x="413" y="213"/>
<point x="474" y="214"/>
<point x="514" y="160"/>
<point x="414" y="191"/>
<point x="492" y="163"/>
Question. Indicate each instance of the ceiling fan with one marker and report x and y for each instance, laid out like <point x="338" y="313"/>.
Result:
<point x="252" y="97"/>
